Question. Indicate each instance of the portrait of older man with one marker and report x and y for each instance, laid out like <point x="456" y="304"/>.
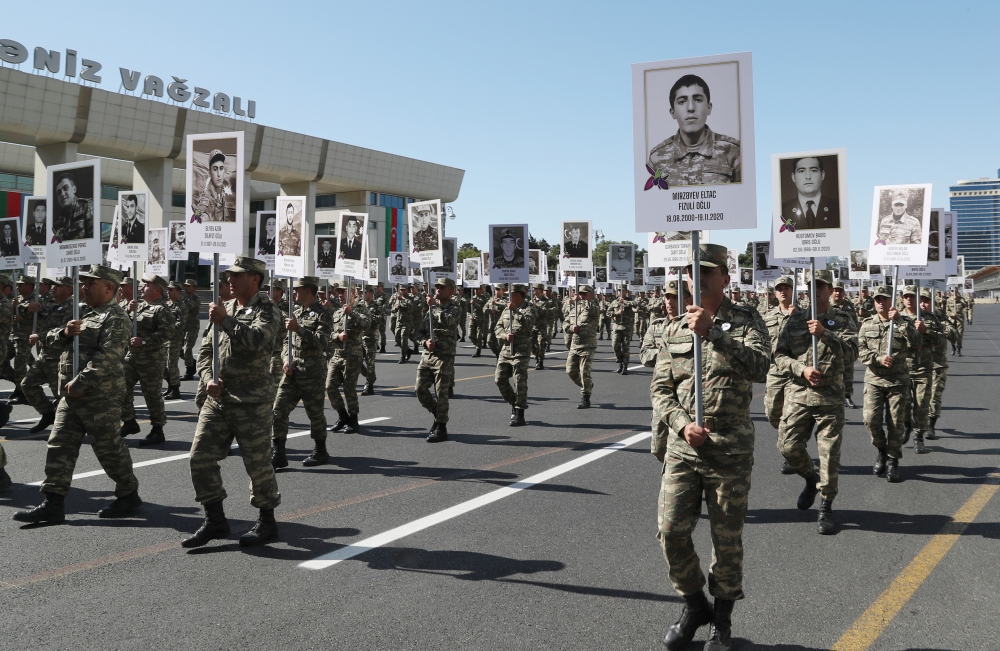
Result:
<point x="216" y="199"/>
<point x="809" y="209"/>
<point x="575" y="245"/>
<point x="73" y="217"/>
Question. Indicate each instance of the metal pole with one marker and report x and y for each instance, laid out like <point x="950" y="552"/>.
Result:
<point x="699" y="407"/>
<point x="347" y="317"/>
<point x="34" y="317"/>
<point x="215" y="329"/>
<point x="135" y="291"/>
<point x="430" y="315"/>
<point x="76" y="317"/>
<point x="291" y="314"/>
<point x="892" y="304"/>
<point x="812" y="310"/>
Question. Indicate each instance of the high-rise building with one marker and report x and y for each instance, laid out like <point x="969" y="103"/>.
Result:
<point x="978" y="207"/>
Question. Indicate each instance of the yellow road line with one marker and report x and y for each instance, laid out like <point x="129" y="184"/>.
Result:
<point x="866" y="629"/>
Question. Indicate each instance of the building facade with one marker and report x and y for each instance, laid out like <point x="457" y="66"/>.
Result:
<point x="978" y="206"/>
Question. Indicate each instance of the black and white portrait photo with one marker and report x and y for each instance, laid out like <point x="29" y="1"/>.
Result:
<point x="178" y="236"/>
<point x="214" y="179"/>
<point x="132" y="208"/>
<point x="290" y="232"/>
<point x="508" y="247"/>
<point x="622" y="258"/>
<point x="34" y="221"/>
<point x="350" y="237"/>
<point x="10" y="246"/>
<point x="859" y="260"/>
<point x="875" y="270"/>
<point x="533" y="261"/>
<point x="73" y="209"/>
<point x="267" y="232"/>
<point x="470" y="272"/>
<point x="810" y="192"/>
<point x="600" y="274"/>
<point x="372" y="270"/>
<point x="933" y="248"/>
<point x="425" y="227"/>
<point x="157" y="246"/>
<point x="732" y="262"/>
<point x="901" y="220"/>
<point x="576" y="238"/>
<point x="326" y="254"/>
<point x="746" y="276"/>
<point x="761" y="255"/>
<point x="552" y="276"/>
<point x="637" y="276"/>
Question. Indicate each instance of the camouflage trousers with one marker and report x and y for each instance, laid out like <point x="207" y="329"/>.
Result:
<point x="174" y="349"/>
<point x="774" y="398"/>
<point x="20" y="353"/>
<point x="958" y="325"/>
<point x="99" y="417"/>
<point x="146" y="369"/>
<point x="476" y="332"/>
<point x="381" y="333"/>
<point x="493" y="342"/>
<point x="343" y="371"/>
<point x="250" y="424"/>
<point x="461" y="324"/>
<point x="919" y="405"/>
<point x="796" y="430"/>
<point x="607" y="327"/>
<point x="3" y="457"/>
<point x="725" y="483"/>
<point x="45" y="370"/>
<point x="568" y="336"/>
<point x="622" y="342"/>
<point x="403" y="335"/>
<point x="940" y="379"/>
<point x="371" y="349"/>
<point x="309" y="390"/>
<point x="888" y="404"/>
<point x="641" y="323"/>
<point x="579" y="364"/>
<point x="538" y="342"/>
<point x="516" y="368"/>
<point x="848" y="380"/>
<point x="192" y="338"/>
<point x="439" y="372"/>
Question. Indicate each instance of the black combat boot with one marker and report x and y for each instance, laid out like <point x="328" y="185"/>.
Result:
<point x="918" y="443"/>
<point x="451" y="392"/>
<point x="462" y="339"/>
<point x="189" y="375"/>
<point x="697" y="612"/>
<point x="382" y="348"/>
<point x="263" y="531"/>
<point x="584" y="401"/>
<point x="129" y="427"/>
<point x="906" y="435"/>
<point x="825" y="523"/>
<point x="47" y="419"/>
<point x="932" y="429"/>
<point x="478" y="353"/>
<point x="18" y="397"/>
<point x="439" y="432"/>
<point x="278" y="458"/>
<point x="122" y="507"/>
<point x="6" y="410"/>
<point x="5" y="480"/>
<point x="518" y="418"/>
<point x="808" y="495"/>
<point x="513" y="415"/>
<point x="341" y="422"/>
<point x="215" y="526"/>
<point x="352" y="424"/>
<point x="892" y="472"/>
<point x="720" y="635"/>
<point x="849" y="403"/>
<point x="620" y="367"/>
<point x="172" y="393"/>
<point x="625" y="368"/>
<point x="880" y="461"/>
<point x="787" y="469"/>
<point x="319" y="455"/>
<point x="402" y="357"/>
<point x="155" y="436"/>
<point x="51" y="510"/>
<point x="369" y="389"/>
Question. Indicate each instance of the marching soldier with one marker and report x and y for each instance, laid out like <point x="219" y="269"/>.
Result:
<point x="569" y="300"/>
<point x="641" y="315"/>
<point x="494" y="308"/>
<point x="383" y="303"/>
<point x="6" y="319"/>
<point x="437" y="361"/>
<point x="463" y="303"/>
<point x="956" y="314"/>
<point x="370" y="340"/>
<point x="90" y="402"/>
<point x="45" y="370"/>
<point x="305" y="376"/>
<point x="513" y="329"/>
<point x="865" y="304"/>
<point x="921" y="366"/>
<point x="775" y="320"/>
<point x="606" y="320"/>
<point x="192" y="326"/>
<point x="553" y="320"/>
<point x="540" y="328"/>
<point x="403" y="307"/>
<point x="176" y="344"/>
<point x="622" y="313"/>
<point x="350" y="321"/>
<point x="844" y="304"/>
<point x="239" y="404"/>
<point x="24" y="309"/>
<point x="940" y="361"/>
<point x="478" y="325"/>
<point x="814" y="395"/>
<point x="711" y="461"/>
<point x="654" y="334"/>
<point x="580" y="360"/>
<point x="887" y="380"/>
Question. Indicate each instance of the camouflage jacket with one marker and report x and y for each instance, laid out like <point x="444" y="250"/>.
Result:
<point x="956" y="307"/>
<point x="445" y="334"/>
<point x="177" y="308"/>
<point x="866" y="307"/>
<point x="479" y="305"/>
<point x="872" y="339"/>
<point x="587" y="320"/>
<point x="405" y="309"/>
<point x="311" y="341"/>
<point x="495" y="307"/>
<point x="377" y="319"/>
<point x="774" y="321"/>
<point x="736" y="354"/>
<point x="55" y="317"/>
<point x="103" y="337"/>
<point x="716" y="160"/>
<point x="847" y="307"/>
<point x="626" y="320"/>
<point x="354" y="324"/>
<point x="6" y="320"/>
<point x="22" y="330"/>
<point x="651" y="341"/>
<point x="154" y="324"/>
<point x="519" y="323"/>
<point x="543" y="313"/>
<point x="921" y="360"/>
<point x="246" y="340"/>
<point x="837" y="349"/>
<point x="193" y="305"/>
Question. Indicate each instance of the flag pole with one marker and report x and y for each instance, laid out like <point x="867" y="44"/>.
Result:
<point x="699" y="406"/>
<point x="215" y="329"/>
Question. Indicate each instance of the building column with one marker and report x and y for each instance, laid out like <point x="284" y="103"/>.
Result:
<point x="305" y="189"/>
<point x="156" y="177"/>
<point x="57" y="154"/>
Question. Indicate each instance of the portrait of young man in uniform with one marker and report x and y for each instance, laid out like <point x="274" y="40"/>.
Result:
<point x="266" y="241"/>
<point x="9" y="246"/>
<point x="290" y="237"/>
<point x="327" y="258"/>
<point x="425" y="231"/>
<point x="575" y="245"/>
<point x="471" y="271"/>
<point x="74" y="213"/>
<point x="903" y="224"/>
<point x="804" y="202"/>
<point x="133" y="230"/>
<point x="215" y="200"/>
<point x="859" y="260"/>
<point x="178" y="237"/>
<point x="621" y="261"/>
<point x="34" y="229"/>
<point x="508" y="254"/>
<point x="398" y="268"/>
<point x="350" y="239"/>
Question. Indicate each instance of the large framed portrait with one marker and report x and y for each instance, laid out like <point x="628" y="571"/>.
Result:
<point x="508" y="246"/>
<point x="267" y="237"/>
<point x="214" y="198"/>
<point x="449" y="250"/>
<point x="901" y="221"/>
<point x="73" y="214"/>
<point x="290" y="258"/>
<point x="936" y="266"/>
<point x="621" y="262"/>
<point x="763" y="270"/>
<point x="399" y="267"/>
<point x="10" y="243"/>
<point x="133" y="226"/>
<point x="156" y="263"/>
<point x="575" y="250"/>
<point x="426" y="233"/>
<point x="809" y="204"/>
<point x="352" y="250"/>
<point x="178" y="241"/>
<point x="693" y="143"/>
<point x="34" y="229"/>
<point x="472" y="272"/>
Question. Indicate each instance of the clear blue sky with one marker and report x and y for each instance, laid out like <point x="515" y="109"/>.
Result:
<point x="533" y="99"/>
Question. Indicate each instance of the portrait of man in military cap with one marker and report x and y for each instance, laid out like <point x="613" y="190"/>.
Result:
<point x="471" y="270"/>
<point x="157" y="252"/>
<point x="533" y="265"/>
<point x="508" y="247"/>
<point x="215" y="177"/>
<point x="178" y="236"/>
<point x="73" y="204"/>
<point x="34" y="222"/>
<point x="810" y="192"/>
<point x="290" y="235"/>
<point x="326" y="254"/>
<point x="901" y="213"/>
<point x="350" y="237"/>
<point x="425" y="227"/>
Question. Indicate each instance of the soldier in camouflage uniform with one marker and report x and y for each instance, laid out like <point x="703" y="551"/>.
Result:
<point x="606" y="321"/>
<point x="921" y="367"/>
<point x="192" y="326"/>
<point x="24" y="310"/>
<point x="240" y="403"/>
<point x="494" y="308"/>
<point x="350" y="322"/>
<point x="814" y="395"/>
<point x="513" y="329"/>
<point x="478" y="326"/>
<point x="713" y="459"/>
<point x="176" y="344"/>
<point x="887" y="380"/>
<point x="406" y="310"/>
<point x="463" y="303"/>
<point x="90" y="402"/>
<point x="940" y="360"/>
<point x="553" y="316"/>
<point x="865" y="305"/>
<point x="641" y="315"/>
<point x="956" y="314"/>
<point x="622" y="313"/>
<point x="777" y="382"/>
<point x="304" y="376"/>
<point x="844" y="304"/>
<point x="580" y="360"/>
<point x="540" y="328"/>
<point x="569" y="300"/>
<point x="653" y="340"/>
<point x="146" y="359"/>
<point x="45" y="370"/>
<point x="370" y="340"/>
<point x="6" y="319"/>
<point x="383" y="303"/>
<point x="437" y="361"/>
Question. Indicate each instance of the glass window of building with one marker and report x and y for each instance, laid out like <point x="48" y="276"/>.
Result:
<point x="177" y="200"/>
<point x="391" y="201"/>
<point x="978" y="226"/>
<point x="256" y="206"/>
<point x="326" y="200"/>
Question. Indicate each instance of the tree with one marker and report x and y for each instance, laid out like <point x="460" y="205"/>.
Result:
<point x="467" y="250"/>
<point x="538" y="244"/>
<point x="746" y="259"/>
<point x="552" y="256"/>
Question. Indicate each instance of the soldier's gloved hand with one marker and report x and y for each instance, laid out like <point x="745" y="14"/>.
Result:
<point x="699" y="320"/>
<point x="812" y="375"/>
<point x="887" y="361"/>
<point x="32" y="340"/>
<point x="216" y="314"/>
<point x="694" y="435"/>
<point x="72" y="328"/>
<point x="815" y="328"/>
<point x="430" y="345"/>
<point x="34" y="307"/>
<point x="215" y="388"/>
<point x="288" y="370"/>
<point x="292" y="325"/>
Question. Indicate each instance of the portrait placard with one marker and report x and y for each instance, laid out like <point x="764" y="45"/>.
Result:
<point x="449" y="250"/>
<point x="10" y="243"/>
<point x="114" y="242"/>
<point x="352" y="231"/>
<point x="267" y="237"/>
<point x="733" y="264"/>
<point x="810" y="204"/>
<point x="372" y="271"/>
<point x="970" y="286"/>
<point x="73" y="214"/>
<point x="621" y="262"/>
<point x="509" y="247"/>
<point x="426" y="233"/>
<point x="859" y="265"/>
<point x="574" y="254"/>
<point x="693" y="143"/>
<point x="637" y="283"/>
<point x="178" y="241"/>
<point x="472" y="272"/>
<point x="290" y="258"/>
<point x="156" y="263"/>
<point x="34" y="229"/>
<point x="762" y="268"/>
<point x="671" y="248"/>
<point x="901" y="220"/>
<point x="653" y="275"/>
<point x="935" y="268"/>
<point x="601" y="275"/>
<point x="214" y="197"/>
<point x="326" y="257"/>
<point x="484" y="265"/>
<point x="949" y="219"/>
<point x="746" y="279"/>
<point x="536" y="266"/>
<point x="399" y="266"/>
<point x="552" y="276"/>
<point x="132" y="236"/>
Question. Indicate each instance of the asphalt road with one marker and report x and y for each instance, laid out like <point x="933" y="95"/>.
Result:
<point x="444" y="549"/>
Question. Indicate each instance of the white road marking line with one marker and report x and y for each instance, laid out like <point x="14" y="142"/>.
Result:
<point x="186" y="455"/>
<point x="426" y="522"/>
<point x="142" y="406"/>
<point x="632" y="368"/>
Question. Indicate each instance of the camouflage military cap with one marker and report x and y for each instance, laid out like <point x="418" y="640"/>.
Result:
<point x="584" y="289"/>
<point x="278" y="283"/>
<point x="882" y="290"/>
<point x="507" y="234"/>
<point x="156" y="280"/>
<point x="101" y="272"/>
<point x="5" y="280"/>
<point x="175" y="285"/>
<point x="246" y="264"/>
<point x="910" y="289"/>
<point x="47" y="281"/>
<point x="540" y="286"/>
<point x="63" y="281"/>
<point x="190" y="283"/>
<point x="838" y="285"/>
<point x="670" y="288"/>
<point x="784" y="280"/>
<point x="523" y="289"/>
<point x="824" y="276"/>
<point x="216" y="155"/>
<point x="311" y="282"/>
<point x="899" y="197"/>
<point x="444" y="282"/>
<point x="27" y="280"/>
<point x="711" y="255"/>
<point x="925" y="293"/>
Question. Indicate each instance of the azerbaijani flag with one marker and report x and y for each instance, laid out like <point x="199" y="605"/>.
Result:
<point x="10" y="204"/>
<point x="395" y="221"/>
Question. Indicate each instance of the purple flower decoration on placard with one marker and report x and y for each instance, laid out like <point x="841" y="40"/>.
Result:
<point x="659" y="238"/>
<point x="56" y="239"/>
<point x="787" y="224"/>
<point x="196" y="217"/>
<point x="657" y="178"/>
<point x="879" y="240"/>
